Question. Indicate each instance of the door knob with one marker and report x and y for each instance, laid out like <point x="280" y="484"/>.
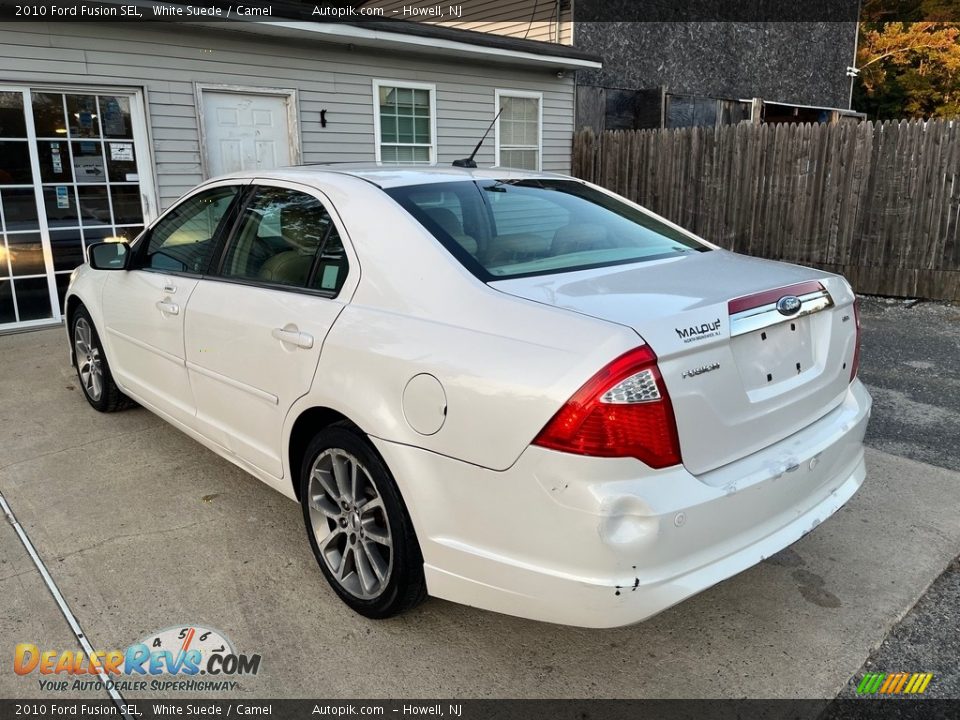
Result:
<point x="167" y="307"/>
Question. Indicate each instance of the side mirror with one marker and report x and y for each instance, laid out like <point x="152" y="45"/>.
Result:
<point x="109" y="255"/>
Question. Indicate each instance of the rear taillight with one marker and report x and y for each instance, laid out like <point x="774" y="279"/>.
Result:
<point x="622" y="411"/>
<point x="855" y="365"/>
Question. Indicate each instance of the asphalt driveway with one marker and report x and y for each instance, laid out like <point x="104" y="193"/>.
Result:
<point x="144" y="529"/>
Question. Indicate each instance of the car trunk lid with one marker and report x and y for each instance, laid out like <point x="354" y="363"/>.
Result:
<point x="741" y="374"/>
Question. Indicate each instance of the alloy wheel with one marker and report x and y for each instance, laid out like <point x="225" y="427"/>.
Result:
<point x="350" y="523"/>
<point x="88" y="359"/>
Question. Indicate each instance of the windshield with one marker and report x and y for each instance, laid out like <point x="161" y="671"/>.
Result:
<point x="512" y="228"/>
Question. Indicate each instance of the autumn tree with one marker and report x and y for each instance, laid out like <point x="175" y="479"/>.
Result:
<point x="908" y="69"/>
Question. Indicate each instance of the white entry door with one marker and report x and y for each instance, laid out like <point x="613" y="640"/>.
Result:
<point x="248" y="130"/>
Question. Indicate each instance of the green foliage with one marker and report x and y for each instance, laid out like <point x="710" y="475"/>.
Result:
<point x="908" y="69"/>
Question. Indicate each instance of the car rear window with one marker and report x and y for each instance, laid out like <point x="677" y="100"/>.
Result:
<point x="515" y="228"/>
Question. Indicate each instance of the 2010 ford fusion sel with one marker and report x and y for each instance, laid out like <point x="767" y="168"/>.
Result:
<point x="512" y="390"/>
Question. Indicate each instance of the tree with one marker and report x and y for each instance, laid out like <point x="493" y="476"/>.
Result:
<point x="908" y="69"/>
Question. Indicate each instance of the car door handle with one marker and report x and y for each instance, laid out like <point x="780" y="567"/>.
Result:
<point x="167" y="307"/>
<point x="294" y="337"/>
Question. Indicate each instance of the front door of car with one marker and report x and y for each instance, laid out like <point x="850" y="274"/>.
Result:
<point x="255" y="325"/>
<point x="144" y="308"/>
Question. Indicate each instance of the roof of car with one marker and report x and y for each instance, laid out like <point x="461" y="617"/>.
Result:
<point x="387" y="176"/>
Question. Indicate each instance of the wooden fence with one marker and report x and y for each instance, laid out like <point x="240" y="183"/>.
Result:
<point x="876" y="202"/>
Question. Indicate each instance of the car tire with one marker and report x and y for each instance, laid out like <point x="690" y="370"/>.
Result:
<point x="358" y="525"/>
<point x="93" y="370"/>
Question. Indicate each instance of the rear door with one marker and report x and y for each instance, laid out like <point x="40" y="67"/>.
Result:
<point x="144" y="308"/>
<point x="256" y="323"/>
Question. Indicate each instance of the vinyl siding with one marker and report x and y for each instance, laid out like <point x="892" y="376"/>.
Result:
<point x="530" y="19"/>
<point x="166" y="61"/>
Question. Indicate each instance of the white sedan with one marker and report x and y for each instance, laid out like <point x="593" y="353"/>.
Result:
<point x="512" y="390"/>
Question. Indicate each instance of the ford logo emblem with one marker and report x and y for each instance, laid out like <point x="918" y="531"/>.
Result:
<point x="789" y="305"/>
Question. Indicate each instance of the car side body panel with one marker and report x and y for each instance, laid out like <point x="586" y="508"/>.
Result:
<point x="453" y="378"/>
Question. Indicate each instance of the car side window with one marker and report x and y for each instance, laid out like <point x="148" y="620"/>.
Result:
<point x="184" y="239"/>
<point x="286" y="237"/>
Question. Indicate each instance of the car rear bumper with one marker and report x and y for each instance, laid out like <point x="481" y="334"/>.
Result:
<point x="600" y="542"/>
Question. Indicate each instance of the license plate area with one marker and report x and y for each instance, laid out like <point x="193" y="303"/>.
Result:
<point x="775" y="354"/>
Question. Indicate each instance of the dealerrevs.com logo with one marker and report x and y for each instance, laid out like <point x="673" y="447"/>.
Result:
<point x="188" y="658"/>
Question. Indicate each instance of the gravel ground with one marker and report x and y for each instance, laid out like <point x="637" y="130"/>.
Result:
<point x="926" y="640"/>
<point x="911" y="363"/>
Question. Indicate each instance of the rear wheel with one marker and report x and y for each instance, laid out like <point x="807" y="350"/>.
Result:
<point x="358" y="527"/>
<point x="93" y="370"/>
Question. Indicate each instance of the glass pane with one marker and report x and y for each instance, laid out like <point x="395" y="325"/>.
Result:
<point x="422" y="105"/>
<point x="421" y="127"/>
<point x="115" y="116"/>
<point x="420" y="154"/>
<point x="278" y="238"/>
<point x="26" y="254"/>
<point x="88" y="162"/>
<point x="12" y="122"/>
<point x="83" y="116"/>
<point x="388" y="154"/>
<point x="508" y="134"/>
<point x="121" y="162"/>
<point x="63" y="282"/>
<point x="4" y="256"/>
<point x="94" y="204"/>
<point x="128" y="233"/>
<point x="388" y="128"/>
<point x="543" y="225"/>
<point x="15" y="163"/>
<point x="7" y="314"/>
<point x="67" y="249"/>
<point x="127" y="209"/>
<point x="332" y="267"/>
<point x="520" y="159"/>
<point x="20" y="208"/>
<point x="48" y="115"/>
<point x="33" y="298"/>
<point x="98" y="234"/>
<point x="54" y="162"/>
<point x="405" y="129"/>
<point x="530" y="134"/>
<point x="183" y="240"/>
<point x="404" y="101"/>
<point x="60" y="206"/>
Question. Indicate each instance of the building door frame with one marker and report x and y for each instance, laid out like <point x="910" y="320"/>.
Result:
<point x="144" y="164"/>
<point x="293" y="115"/>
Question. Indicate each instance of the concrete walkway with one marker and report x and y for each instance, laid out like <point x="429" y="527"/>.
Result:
<point x="144" y="529"/>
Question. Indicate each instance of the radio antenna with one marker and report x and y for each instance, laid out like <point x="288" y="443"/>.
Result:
<point x="469" y="161"/>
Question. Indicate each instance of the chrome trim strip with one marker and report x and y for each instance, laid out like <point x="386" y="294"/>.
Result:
<point x="758" y="318"/>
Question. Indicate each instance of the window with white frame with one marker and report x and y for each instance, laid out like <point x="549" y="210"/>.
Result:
<point x="519" y="129"/>
<point x="405" y="122"/>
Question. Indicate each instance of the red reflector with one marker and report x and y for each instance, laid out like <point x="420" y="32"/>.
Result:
<point x="855" y="365"/>
<point x="644" y="429"/>
<point x="749" y="302"/>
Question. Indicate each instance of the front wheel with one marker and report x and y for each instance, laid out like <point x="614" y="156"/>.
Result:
<point x="93" y="370"/>
<point x="358" y="527"/>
